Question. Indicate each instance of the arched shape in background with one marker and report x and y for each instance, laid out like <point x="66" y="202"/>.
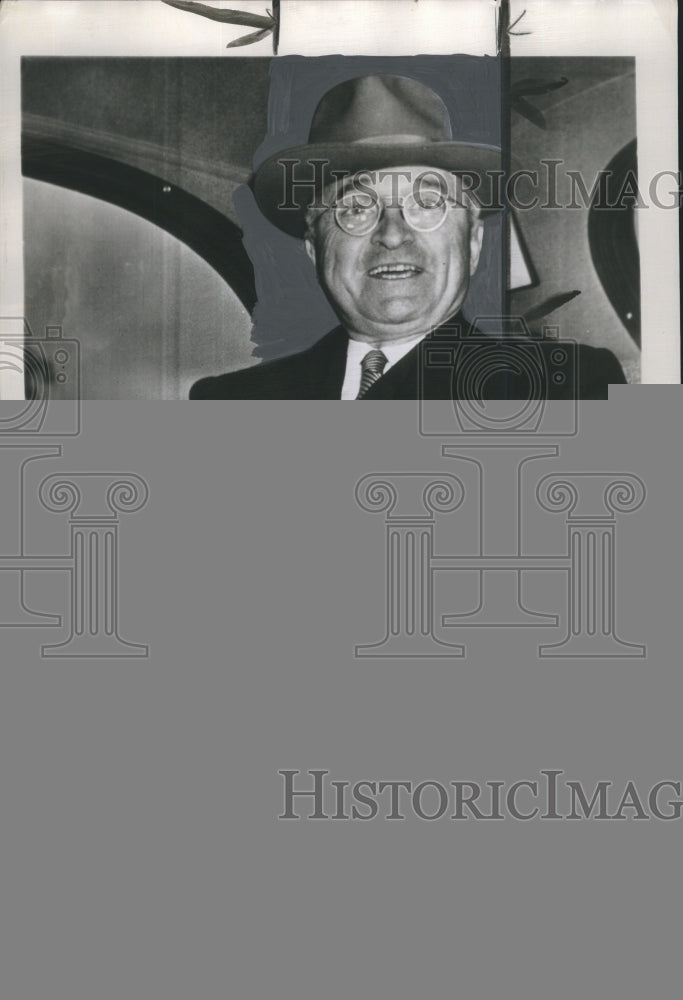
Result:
<point x="206" y="231"/>
<point x="612" y="240"/>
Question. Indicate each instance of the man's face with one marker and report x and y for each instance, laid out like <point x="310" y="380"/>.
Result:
<point x="397" y="282"/>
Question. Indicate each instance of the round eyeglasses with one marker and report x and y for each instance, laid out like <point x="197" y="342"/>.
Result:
<point x="358" y="214"/>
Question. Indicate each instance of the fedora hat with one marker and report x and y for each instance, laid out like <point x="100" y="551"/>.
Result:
<point x="367" y="123"/>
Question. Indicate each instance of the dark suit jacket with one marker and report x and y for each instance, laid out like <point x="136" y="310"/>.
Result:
<point x="445" y="365"/>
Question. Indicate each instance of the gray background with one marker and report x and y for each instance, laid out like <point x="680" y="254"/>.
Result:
<point x="140" y="851"/>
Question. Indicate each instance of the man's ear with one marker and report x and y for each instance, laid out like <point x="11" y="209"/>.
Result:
<point x="310" y="249"/>
<point x="476" y="238"/>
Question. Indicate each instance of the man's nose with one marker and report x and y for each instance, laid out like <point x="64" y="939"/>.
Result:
<point x="392" y="230"/>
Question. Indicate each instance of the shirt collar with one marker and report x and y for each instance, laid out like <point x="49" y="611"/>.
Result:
<point x="393" y="351"/>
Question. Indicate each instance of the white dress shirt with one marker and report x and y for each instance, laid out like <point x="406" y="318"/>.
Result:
<point x="356" y="351"/>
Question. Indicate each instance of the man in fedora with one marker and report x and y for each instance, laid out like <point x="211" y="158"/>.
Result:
<point x="390" y="210"/>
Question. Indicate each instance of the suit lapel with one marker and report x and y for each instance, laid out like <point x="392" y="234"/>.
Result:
<point x="400" y="382"/>
<point x="325" y="365"/>
<point x="415" y="376"/>
<point x="321" y="369"/>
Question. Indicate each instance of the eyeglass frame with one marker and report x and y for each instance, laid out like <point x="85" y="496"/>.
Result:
<point x="395" y="202"/>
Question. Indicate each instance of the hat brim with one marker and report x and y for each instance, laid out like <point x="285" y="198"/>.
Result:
<point x="286" y="209"/>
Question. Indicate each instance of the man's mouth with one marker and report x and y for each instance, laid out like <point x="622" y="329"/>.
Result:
<point x="394" y="272"/>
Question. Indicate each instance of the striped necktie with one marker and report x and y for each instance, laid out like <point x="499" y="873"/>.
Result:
<point x="372" y="367"/>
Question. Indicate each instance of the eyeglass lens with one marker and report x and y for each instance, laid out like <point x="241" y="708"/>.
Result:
<point x="359" y="213"/>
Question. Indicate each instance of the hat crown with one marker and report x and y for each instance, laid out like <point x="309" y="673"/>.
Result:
<point x="383" y="105"/>
<point x="375" y="122"/>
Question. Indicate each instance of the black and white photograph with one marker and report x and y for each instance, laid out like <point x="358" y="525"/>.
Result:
<point x="183" y="219"/>
<point x="146" y="225"/>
